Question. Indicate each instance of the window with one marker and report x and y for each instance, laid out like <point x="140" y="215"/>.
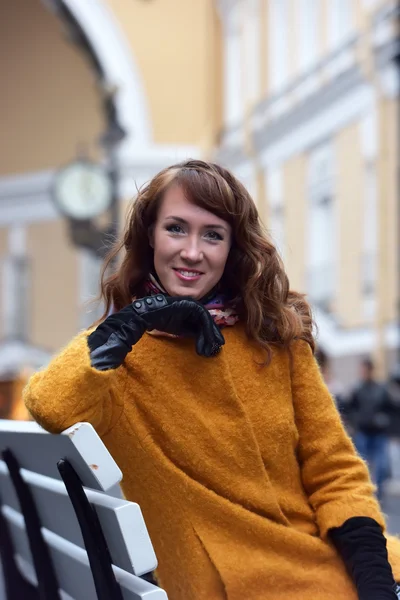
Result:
<point x="252" y="51"/>
<point x="370" y="242"/>
<point x="369" y="250"/>
<point x="321" y="233"/>
<point x="16" y="274"/>
<point x="308" y="21"/>
<point x="278" y="44"/>
<point x="340" y="21"/>
<point x="233" y="104"/>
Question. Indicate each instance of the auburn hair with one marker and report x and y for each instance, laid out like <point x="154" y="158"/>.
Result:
<point x="254" y="275"/>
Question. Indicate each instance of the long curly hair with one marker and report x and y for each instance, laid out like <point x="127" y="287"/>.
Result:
<point x="254" y="274"/>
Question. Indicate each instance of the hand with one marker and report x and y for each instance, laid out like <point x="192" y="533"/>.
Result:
<point x="182" y="317"/>
<point x="113" y="339"/>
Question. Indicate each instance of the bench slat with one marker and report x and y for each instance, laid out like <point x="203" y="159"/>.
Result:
<point x="69" y="558"/>
<point x="36" y="449"/>
<point x="121" y="521"/>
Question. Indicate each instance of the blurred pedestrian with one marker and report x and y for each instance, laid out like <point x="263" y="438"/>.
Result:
<point x="203" y="384"/>
<point x="371" y="410"/>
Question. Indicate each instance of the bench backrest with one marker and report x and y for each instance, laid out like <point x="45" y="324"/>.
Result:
<point x="130" y="548"/>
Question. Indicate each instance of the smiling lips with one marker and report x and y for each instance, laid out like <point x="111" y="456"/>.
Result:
<point x="188" y="275"/>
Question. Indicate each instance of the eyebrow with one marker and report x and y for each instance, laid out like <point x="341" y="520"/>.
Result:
<point x="184" y="222"/>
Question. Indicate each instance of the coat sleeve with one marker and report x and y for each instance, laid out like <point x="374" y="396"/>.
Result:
<point x="70" y="390"/>
<point x="335" y="478"/>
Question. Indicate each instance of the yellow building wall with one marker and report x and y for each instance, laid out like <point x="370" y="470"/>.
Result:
<point x="50" y="107"/>
<point x="295" y="206"/>
<point x="52" y="103"/>
<point x="49" y="103"/>
<point x="176" y="49"/>
<point x="388" y="233"/>
<point x="54" y="285"/>
<point x="349" y="197"/>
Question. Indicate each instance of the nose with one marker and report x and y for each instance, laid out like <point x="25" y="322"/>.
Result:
<point x="191" y="251"/>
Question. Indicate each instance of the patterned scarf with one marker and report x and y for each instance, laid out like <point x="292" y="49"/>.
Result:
<point x="223" y="312"/>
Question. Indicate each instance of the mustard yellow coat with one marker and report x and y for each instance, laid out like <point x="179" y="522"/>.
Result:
<point x="240" y="470"/>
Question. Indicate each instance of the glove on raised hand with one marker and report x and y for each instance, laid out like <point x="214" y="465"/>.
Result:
<point x="113" y="339"/>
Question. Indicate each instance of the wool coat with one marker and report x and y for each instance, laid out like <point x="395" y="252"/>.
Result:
<point x="240" y="469"/>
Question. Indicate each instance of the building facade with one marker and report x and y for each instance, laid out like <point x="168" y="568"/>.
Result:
<point x="297" y="97"/>
<point x="58" y="60"/>
<point x="310" y="124"/>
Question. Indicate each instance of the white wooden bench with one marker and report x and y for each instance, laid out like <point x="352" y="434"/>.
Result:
<point x="37" y="468"/>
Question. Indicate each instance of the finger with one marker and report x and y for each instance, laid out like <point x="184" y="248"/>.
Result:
<point x="212" y="331"/>
<point x="207" y="349"/>
<point x="205" y="342"/>
<point x="200" y="344"/>
<point x="213" y="338"/>
<point x="218" y="335"/>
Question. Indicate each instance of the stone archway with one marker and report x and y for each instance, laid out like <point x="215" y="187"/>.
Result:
<point x="108" y="42"/>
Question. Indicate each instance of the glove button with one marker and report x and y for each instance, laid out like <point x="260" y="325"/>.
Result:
<point x="149" y="301"/>
<point x="138" y="304"/>
<point x="159" y="298"/>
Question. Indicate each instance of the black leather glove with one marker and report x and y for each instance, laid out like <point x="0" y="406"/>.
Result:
<point x="362" y="546"/>
<point x="113" y="339"/>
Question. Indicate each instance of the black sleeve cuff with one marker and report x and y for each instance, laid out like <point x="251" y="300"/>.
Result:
<point x="362" y="546"/>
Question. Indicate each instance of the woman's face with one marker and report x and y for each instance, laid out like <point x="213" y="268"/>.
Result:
<point x="191" y="246"/>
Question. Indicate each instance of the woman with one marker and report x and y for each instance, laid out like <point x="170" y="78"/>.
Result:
<point x="202" y="383"/>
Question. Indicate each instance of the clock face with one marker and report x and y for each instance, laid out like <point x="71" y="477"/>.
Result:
<point x="82" y="190"/>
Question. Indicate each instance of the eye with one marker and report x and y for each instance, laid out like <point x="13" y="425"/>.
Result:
<point x="174" y="228"/>
<point x="214" y="236"/>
